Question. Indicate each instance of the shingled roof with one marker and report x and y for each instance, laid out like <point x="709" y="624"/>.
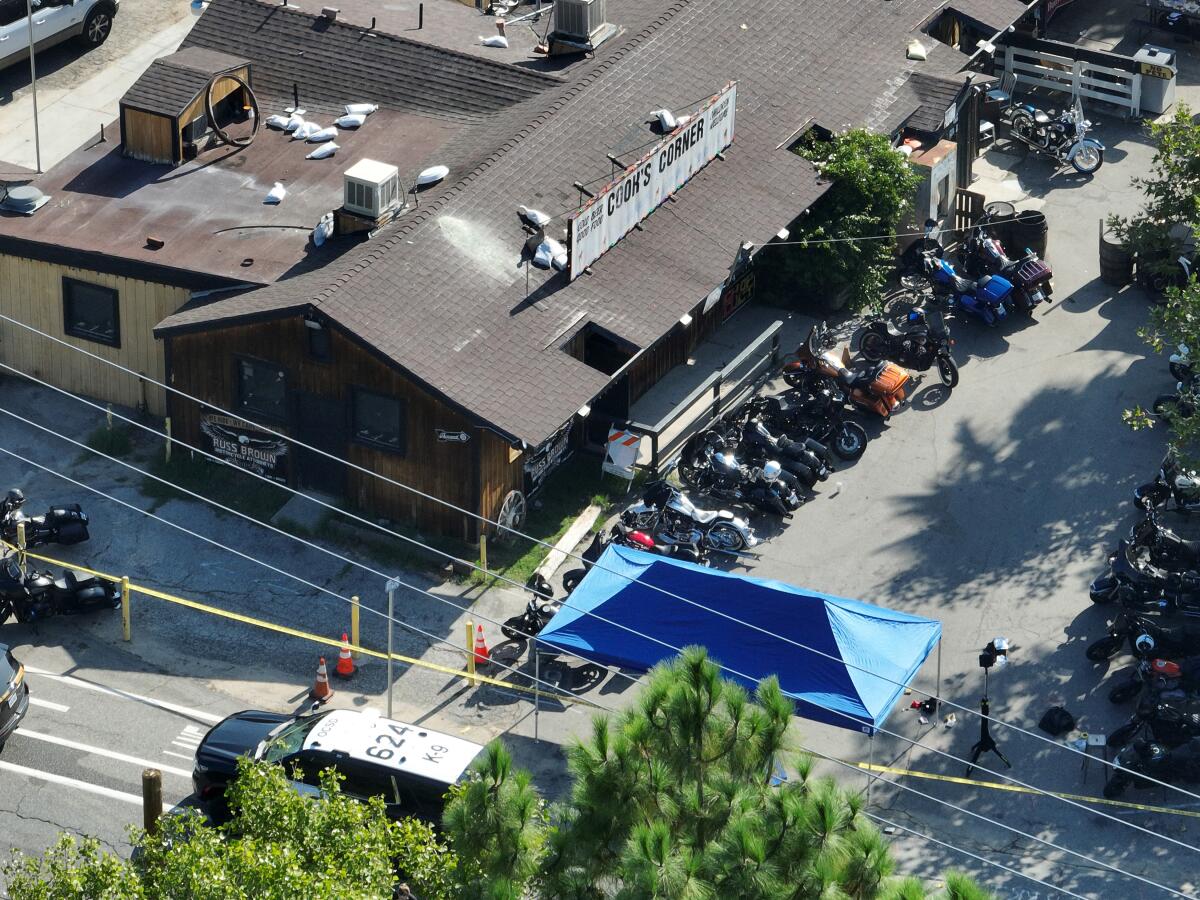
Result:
<point x="443" y="292"/>
<point x="333" y="60"/>
<point x="173" y="82"/>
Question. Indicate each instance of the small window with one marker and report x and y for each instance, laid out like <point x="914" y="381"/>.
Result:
<point x="262" y="388"/>
<point x="320" y="343"/>
<point x="90" y="312"/>
<point x="379" y="421"/>
<point x="11" y="11"/>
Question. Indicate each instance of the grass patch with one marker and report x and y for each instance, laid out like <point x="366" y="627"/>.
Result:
<point x="111" y="441"/>
<point x="218" y="482"/>
<point x="576" y="484"/>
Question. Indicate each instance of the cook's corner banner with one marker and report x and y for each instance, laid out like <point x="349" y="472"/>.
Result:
<point x="240" y="443"/>
<point x="649" y="182"/>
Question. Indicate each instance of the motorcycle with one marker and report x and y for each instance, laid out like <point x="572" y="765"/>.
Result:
<point x="667" y="515"/>
<point x="1148" y="636"/>
<point x="987" y="299"/>
<point x="879" y="387"/>
<point x="1164" y="547"/>
<point x="1064" y="138"/>
<point x="1173" y="483"/>
<point x="539" y="610"/>
<point x="60" y="525"/>
<point x="1168" y="722"/>
<point x="1030" y="275"/>
<point x="33" y="596"/>
<point x="1148" y="758"/>
<point x="820" y="415"/>
<point x="808" y="460"/>
<point x="912" y="343"/>
<point x="1160" y="677"/>
<point x="1138" y="585"/>
<point x="1180" y="364"/>
<point x="708" y="467"/>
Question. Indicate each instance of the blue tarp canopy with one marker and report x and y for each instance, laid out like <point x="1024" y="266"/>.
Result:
<point x="880" y="641"/>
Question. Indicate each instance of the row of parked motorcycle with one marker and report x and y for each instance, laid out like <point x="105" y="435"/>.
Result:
<point x="30" y="595"/>
<point x="1153" y="578"/>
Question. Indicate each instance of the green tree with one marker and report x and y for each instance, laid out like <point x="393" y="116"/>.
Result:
<point x="1171" y="209"/>
<point x="280" y="845"/>
<point x="673" y="799"/>
<point x="872" y="190"/>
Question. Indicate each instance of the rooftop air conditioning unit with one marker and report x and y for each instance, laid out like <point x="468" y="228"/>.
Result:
<point x="372" y="189"/>
<point x="579" y="20"/>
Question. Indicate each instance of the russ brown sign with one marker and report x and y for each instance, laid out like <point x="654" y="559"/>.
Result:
<point x="246" y="447"/>
<point x="645" y="185"/>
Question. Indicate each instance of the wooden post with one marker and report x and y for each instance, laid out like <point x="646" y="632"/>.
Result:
<point x="483" y="551"/>
<point x="471" y="654"/>
<point x="126" y="613"/>
<point x="354" y="610"/>
<point x="108" y="415"/>
<point x="168" y="427"/>
<point x="151" y="800"/>
<point x="21" y="546"/>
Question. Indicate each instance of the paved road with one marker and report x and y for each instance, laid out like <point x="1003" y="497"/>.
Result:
<point x="75" y="763"/>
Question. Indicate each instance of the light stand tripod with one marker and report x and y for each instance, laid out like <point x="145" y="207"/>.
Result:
<point x="985" y="744"/>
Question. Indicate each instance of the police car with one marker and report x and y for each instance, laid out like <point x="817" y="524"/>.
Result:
<point x="409" y="766"/>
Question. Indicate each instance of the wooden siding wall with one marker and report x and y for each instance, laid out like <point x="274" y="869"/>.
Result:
<point x="204" y="364"/>
<point x="31" y="292"/>
<point x="501" y="469"/>
<point x="148" y="137"/>
<point x="224" y="88"/>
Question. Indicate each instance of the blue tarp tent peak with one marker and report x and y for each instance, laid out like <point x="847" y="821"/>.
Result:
<point x="621" y="592"/>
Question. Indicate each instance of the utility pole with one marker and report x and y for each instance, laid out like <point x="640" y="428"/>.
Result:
<point x="392" y="585"/>
<point x="37" y="140"/>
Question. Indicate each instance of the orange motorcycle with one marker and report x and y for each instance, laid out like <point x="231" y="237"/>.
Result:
<point x="879" y="387"/>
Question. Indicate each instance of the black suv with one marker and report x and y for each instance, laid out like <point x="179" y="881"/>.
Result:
<point x="409" y="766"/>
<point x="14" y="694"/>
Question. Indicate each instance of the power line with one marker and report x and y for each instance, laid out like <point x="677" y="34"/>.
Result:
<point x="287" y="574"/>
<point x="983" y="859"/>
<point x="1000" y="824"/>
<point x="570" y="554"/>
<point x="512" y="669"/>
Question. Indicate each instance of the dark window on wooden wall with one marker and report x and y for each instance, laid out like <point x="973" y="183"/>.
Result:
<point x="262" y="388"/>
<point x="380" y="421"/>
<point x="90" y="311"/>
<point x="320" y="341"/>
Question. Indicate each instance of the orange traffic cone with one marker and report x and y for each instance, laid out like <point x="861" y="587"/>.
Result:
<point x="482" y="656"/>
<point x="345" y="663"/>
<point x="321" y="690"/>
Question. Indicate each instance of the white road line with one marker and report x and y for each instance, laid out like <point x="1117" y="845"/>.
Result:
<point x="184" y="746"/>
<point x="179" y="755"/>
<point x="71" y="782"/>
<point x="48" y="704"/>
<point x="100" y="751"/>
<point x="100" y="689"/>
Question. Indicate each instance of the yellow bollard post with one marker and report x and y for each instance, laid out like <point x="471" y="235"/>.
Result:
<point x="21" y="546"/>
<point x="354" y="609"/>
<point x="126" y="614"/>
<point x="471" y="654"/>
<point x="483" y="552"/>
<point x="168" y="430"/>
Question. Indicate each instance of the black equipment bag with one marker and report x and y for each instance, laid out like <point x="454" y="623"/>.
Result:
<point x="1057" y="721"/>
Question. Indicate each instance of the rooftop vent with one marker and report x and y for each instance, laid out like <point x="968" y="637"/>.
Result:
<point x="25" y="199"/>
<point x="580" y="25"/>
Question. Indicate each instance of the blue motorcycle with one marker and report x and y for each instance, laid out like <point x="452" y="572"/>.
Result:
<point x="990" y="298"/>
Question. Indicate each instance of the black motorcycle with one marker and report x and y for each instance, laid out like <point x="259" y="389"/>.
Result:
<point x="1031" y="276"/>
<point x="1169" y="722"/>
<point x="1164" y="547"/>
<point x="709" y="467"/>
<point x="539" y="610"/>
<point x="1142" y="760"/>
<point x="1064" y="137"/>
<point x="1148" y="636"/>
<point x="1138" y="585"/>
<point x="820" y="414"/>
<point x="32" y="596"/>
<point x="912" y="343"/>
<point x="66" y="524"/>
<point x="1174" y="484"/>
<point x="807" y="459"/>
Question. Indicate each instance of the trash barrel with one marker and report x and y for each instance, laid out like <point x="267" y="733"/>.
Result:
<point x="1028" y="231"/>
<point x="1116" y="263"/>
<point x="998" y="217"/>
<point x="1158" y="68"/>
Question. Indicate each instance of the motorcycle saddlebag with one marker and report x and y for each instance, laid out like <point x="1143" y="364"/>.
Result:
<point x="890" y="380"/>
<point x="1033" y="271"/>
<point x="994" y="290"/>
<point x="73" y="533"/>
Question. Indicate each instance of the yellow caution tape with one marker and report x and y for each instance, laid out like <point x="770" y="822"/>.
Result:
<point x="1020" y="789"/>
<point x="304" y="635"/>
